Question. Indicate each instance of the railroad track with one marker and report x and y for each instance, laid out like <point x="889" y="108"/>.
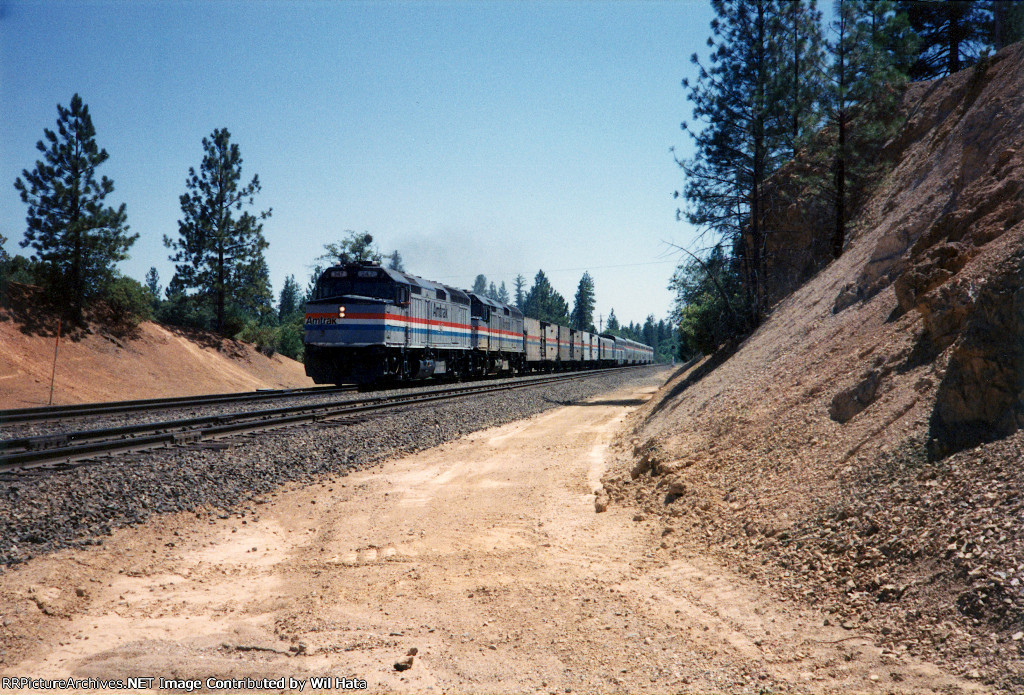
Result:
<point x="58" y="451"/>
<point x="68" y="412"/>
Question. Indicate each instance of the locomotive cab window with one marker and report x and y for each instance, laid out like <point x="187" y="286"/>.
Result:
<point x="360" y="283"/>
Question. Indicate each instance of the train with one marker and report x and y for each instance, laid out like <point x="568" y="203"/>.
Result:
<point x="366" y="324"/>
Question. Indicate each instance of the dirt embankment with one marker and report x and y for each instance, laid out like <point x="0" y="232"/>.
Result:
<point x="862" y="449"/>
<point x="155" y="361"/>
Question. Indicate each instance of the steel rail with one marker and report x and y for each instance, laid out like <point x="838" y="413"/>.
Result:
<point x="72" y="446"/>
<point x="66" y="412"/>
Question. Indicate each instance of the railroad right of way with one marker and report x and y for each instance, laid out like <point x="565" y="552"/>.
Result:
<point x="80" y="505"/>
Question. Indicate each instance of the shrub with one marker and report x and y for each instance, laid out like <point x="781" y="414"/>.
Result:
<point x="263" y="337"/>
<point x="289" y="341"/>
<point x="128" y="303"/>
<point x="184" y="311"/>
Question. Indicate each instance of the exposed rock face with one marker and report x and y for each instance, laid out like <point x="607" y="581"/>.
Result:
<point x="954" y="237"/>
<point x="981" y="397"/>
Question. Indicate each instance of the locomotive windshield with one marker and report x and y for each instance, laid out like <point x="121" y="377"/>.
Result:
<point x="357" y="282"/>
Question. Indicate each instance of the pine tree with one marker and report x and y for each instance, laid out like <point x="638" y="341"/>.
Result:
<point x="217" y="254"/>
<point x="73" y="233"/>
<point x="254" y="297"/>
<point x="353" y="248"/>
<point x="952" y="34"/>
<point x="741" y="143"/>
<point x="1007" y="23"/>
<point x="582" y="317"/>
<point x="492" y="292"/>
<point x="797" y="83"/>
<point x="395" y="261"/>
<point x="613" y="323"/>
<point x="520" y="288"/>
<point x="153" y="282"/>
<point x="480" y="285"/>
<point x="542" y="302"/>
<point x="288" y="305"/>
<point x="869" y="48"/>
<point x="503" y="293"/>
<point x="650" y="332"/>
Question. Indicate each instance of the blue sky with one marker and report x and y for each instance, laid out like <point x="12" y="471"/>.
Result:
<point x="474" y="137"/>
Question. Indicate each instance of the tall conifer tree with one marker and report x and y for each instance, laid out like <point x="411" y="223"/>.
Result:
<point x="613" y="323"/>
<point x="76" y="236"/>
<point x="951" y="33"/>
<point x="741" y="142"/>
<point x="797" y="84"/>
<point x="219" y="252"/>
<point x="544" y="303"/>
<point x="582" y="317"/>
<point x="480" y="285"/>
<point x="520" y="290"/>
<point x="870" y="45"/>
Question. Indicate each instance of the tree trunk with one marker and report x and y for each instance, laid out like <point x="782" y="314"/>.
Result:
<point x="220" y="289"/>
<point x="955" y="22"/>
<point x="74" y="221"/>
<point x="839" y="236"/>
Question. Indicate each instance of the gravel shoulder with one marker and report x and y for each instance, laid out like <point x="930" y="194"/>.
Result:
<point x="484" y="553"/>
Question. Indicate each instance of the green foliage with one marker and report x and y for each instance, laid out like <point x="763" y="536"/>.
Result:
<point x="288" y="306"/>
<point x="709" y="304"/>
<point x="544" y="303"/>
<point x="262" y="336"/>
<point x="796" y="85"/>
<point x="153" y="285"/>
<point x="21" y="269"/>
<point x="520" y="289"/>
<point x="395" y="262"/>
<point x="582" y="317"/>
<point x="480" y="285"/>
<point x="220" y="256"/>
<point x="289" y="339"/>
<point x="950" y="35"/>
<point x="129" y="302"/>
<point x="1007" y="23"/>
<point x="739" y="99"/>
<point x="613" y="322"/>
<point x="353" y="248"/>
<point x="866" y="75"/>
<point x="503" y="293"/>
<point x="76" y="236"/>
<point x="285" y="339"/>
<point x="180" y="309"/>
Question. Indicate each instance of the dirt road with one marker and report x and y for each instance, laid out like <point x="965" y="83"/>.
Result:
<point x="485" y="555"/>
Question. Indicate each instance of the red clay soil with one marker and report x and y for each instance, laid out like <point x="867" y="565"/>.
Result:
<point x="831" y="456"/>
<point x="156" y="361"/>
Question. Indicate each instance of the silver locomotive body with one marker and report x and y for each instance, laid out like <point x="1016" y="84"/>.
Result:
<point x="366" y="323"/>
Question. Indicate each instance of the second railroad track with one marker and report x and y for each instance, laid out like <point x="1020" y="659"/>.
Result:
<point x="55" y="451"/>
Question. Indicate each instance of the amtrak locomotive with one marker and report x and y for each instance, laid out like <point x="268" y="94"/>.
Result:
<point x="367" y="324"/>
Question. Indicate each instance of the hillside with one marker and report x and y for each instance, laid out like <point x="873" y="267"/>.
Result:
<point x="155" y="361"/>
<point x="862" y="450"/>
